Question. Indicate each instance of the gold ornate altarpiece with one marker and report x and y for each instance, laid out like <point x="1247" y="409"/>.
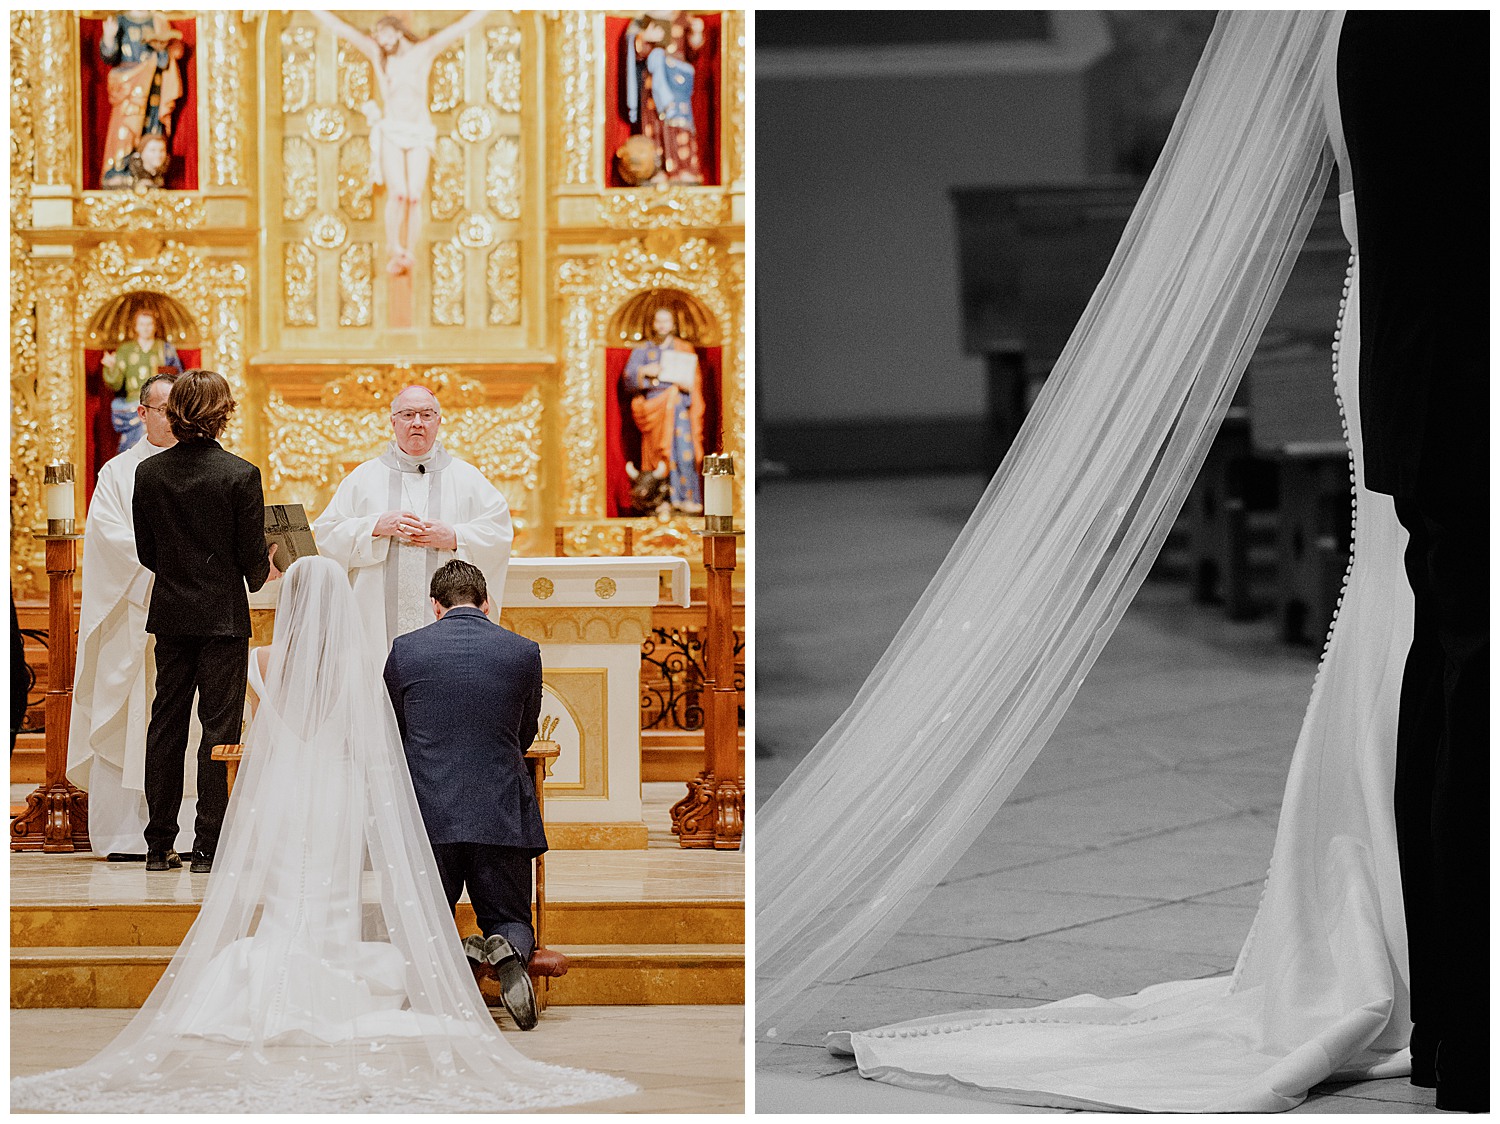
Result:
<point x="527" y="260"/>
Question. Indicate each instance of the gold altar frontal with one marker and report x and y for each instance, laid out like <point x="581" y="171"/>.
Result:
<point x="529" y="269"/>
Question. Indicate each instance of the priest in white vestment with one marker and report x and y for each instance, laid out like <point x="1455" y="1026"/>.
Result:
<point x="115" y="678"/>
<point x="395" y="519"/>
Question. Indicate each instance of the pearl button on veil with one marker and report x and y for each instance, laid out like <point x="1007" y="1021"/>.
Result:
<point x="987" y="663"/>
<point x="323" y="973"/>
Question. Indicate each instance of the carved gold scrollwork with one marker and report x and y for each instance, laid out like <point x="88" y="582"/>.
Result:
<point x="299" y="178"/>
<point x="735" y="164"/>
<point x="447" y="179"/>
<point x="356" y="285"/>
<point x="356" y="192"/>
<point x="327" y="123"/>
<point x="328" y="232"/>
<point x="52" y="118"/>
<point x="578" y="284"/>
<point x="502" y="50"/>
<point x="356" y="77"/>
<point x="578" y="66"/>
<point x="446" y="85"/>
<point x="502" y="177"/>
<point x="300" y="286"/>
<point x="22" y="135"/>
<point x="476" y="124"/>
<point x="298" y="47"/>
<point x="56" y="295"/>
<point x="224" y="49"/>
<point x="372" y="388"/>
<point x="226" y="285"/>
<point x="447" y="282"/>
<point x="149" y="210"/>
<point x="667" y="207"/>
<point x="475" y="232"/>
<point x="503" y="284"/>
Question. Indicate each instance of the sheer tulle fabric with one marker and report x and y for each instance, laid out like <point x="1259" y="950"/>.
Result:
<point x="989" y="660"/>
<point x="323" y="973"/>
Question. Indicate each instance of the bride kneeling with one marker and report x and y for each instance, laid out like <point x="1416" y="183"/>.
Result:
<point x="324" y="972"/>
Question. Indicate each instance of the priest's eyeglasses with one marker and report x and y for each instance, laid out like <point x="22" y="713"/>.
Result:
<point x="409" y="416"/>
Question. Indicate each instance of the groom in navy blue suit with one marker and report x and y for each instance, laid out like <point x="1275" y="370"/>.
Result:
<point x="467" y="694"/>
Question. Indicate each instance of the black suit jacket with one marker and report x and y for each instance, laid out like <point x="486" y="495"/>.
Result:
<point x="1413" y="100"/>
<point x="200" y="521"/>
<point x="467" y="694"/>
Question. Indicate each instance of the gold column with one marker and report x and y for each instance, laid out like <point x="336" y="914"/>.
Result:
<point x="577" y="283"/>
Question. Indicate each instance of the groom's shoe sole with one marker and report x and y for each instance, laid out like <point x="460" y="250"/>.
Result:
<point x="516" y="992"/>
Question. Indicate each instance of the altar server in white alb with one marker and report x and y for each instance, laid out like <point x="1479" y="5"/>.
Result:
<point x="115" y="676"/>
<point x="395" y="519"/>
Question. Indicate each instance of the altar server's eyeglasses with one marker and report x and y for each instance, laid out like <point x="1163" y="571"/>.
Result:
<point x="410" y="416"/>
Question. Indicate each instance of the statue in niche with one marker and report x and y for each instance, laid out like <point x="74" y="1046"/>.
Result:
<point x="145" y="85"/>
<point x="658" y="53"/>
<point x="130" y="365"/>
<point x="147" y="165"/>
<point x="666" y="403"/>
<point x="403" y="139"/>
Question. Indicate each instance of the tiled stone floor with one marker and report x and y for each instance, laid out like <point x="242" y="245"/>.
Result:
<point x="1132" y="853"/>
<point x="661" y="872"/>
<point x="684" y="1059"/>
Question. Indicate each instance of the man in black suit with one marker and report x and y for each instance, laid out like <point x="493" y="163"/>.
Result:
<point x="467" y="694"/>
<point x="1413" y="95"/>
<point x="199" y="517"/>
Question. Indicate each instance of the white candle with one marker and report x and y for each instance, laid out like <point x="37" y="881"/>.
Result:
<point x="57" y="484"/>
<point x="718" y="495"/>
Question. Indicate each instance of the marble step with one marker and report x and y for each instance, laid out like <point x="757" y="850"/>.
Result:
<point x="55" y="925"/>
<point x="599" y="975"/>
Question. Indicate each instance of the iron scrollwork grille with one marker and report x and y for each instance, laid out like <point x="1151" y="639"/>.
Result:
<point x="672" y="679"/>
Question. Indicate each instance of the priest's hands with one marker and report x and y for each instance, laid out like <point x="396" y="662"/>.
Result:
<point x="414" y="529"/>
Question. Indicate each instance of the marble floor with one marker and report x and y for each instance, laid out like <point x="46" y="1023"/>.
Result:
<point x="662" y="872"/>
<point x="1132" y="853"/>
<point x="683" y="1059"/>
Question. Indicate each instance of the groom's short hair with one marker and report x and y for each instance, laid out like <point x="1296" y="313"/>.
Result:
<point x="459" y="583"/>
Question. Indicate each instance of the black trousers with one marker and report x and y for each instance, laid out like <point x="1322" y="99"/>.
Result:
<point x="499" y="881"/>
<point x="214" y="667"/>
<point x="1442" y="787"/>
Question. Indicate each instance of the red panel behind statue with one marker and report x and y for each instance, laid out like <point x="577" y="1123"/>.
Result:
<point x="622" y="441"/>
<point x="617" y="126"/>
<point x="182" y="172"/>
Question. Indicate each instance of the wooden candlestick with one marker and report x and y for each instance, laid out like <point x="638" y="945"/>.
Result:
<point x="712" y="814"/>
<point x="56" y="819"/>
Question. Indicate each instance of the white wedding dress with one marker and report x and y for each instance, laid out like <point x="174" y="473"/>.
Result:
<point x="1320" y="989"/>
<point x="324" y="972"/>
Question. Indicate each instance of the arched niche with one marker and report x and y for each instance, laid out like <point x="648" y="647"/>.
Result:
<point x="629" y="327"/>
<point x="111" y="324"/>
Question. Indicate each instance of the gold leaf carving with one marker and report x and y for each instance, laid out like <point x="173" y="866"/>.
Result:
<point x="52" y="101"/>
<point x="151" y="210"/>
<point x="229" y="124"/>
<point x="605" y="588"/>
<point x="300" y="286"/>
<point x="735" y="149"/>
<point x="578" y="67"/>
<point x="326" y="123"/>
<point x="328" y="232"/>
<point x="581" y="411"/>
<point x="356" y="77"/>
<point x="665" y="207"/>
<point x="356" y="192"/>
<point x="503" y="284"/>
<point x="502" y="177"/>
<point x="447" y="179"/>
<point x="447" y="282"/>
<point x="502" y="50"/>
<point x="22" y="136"/>
<point x="356" y="285"/>
<point x="475" y="232"/>
<point x="542" y="588"/>
<point x="310" y="445"/>
<point x="373" y="388"/>
<point x="446" y="86"/>
<point x="475" y="124"/>
<point x="299" y="178"/>
<point x="298" y="45"/>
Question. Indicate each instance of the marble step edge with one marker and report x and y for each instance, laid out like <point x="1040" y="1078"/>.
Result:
<point x="42" y="924"/>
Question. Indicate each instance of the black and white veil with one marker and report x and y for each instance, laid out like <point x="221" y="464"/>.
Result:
<point x="987" y="663"/>
<point x="323" y="973"/>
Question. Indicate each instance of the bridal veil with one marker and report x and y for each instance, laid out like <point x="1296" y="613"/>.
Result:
<point x="988" y="661"/>
<point x="323" y="973"/>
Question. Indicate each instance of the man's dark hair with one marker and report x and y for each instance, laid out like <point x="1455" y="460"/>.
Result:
<point x="458" y="583"/>
<point x="168" y="377"/>
<point x="200" y="405"/>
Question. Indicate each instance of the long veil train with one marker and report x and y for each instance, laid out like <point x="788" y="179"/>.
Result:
<point x="988" y="661"/>
<point x="323" y="973"/>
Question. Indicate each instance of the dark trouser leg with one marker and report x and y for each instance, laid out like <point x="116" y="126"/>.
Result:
<point x="500" y="888"/>
<point x="1442" y="786"/>
<point x="222" y="664"/>
<point x="451" y="864"/>
<point x="167" y="735"/>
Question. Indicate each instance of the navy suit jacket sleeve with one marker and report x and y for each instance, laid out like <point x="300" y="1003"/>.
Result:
<point x="533" y="705"/>
<point x="393" y="688"/>
<point x="250" y="531"/>
<point x="145" y="538"/>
